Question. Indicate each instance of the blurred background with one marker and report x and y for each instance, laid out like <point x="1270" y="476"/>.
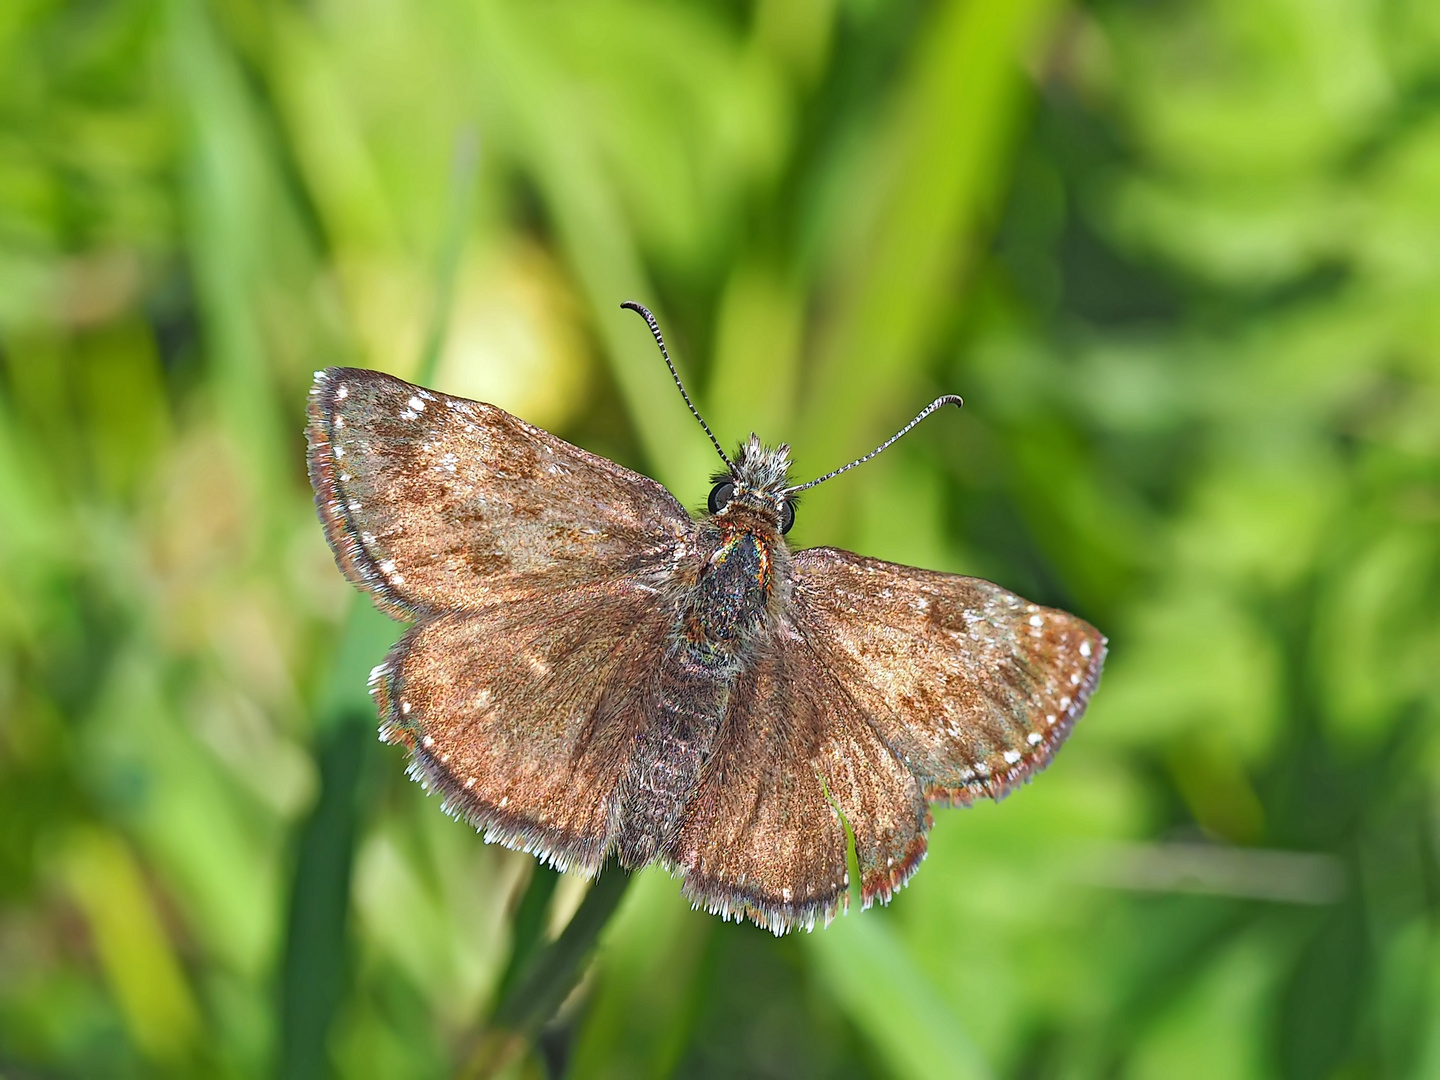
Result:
<point x="1181" y="261"/>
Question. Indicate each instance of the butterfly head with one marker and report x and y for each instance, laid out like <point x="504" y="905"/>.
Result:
<point x="757" y="480"/>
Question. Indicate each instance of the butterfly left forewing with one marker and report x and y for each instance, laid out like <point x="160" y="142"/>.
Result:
<point x="433" y="503"/>
<point x="973" y="687"/>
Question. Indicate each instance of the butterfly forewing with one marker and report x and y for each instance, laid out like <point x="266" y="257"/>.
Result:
<point x="973" y="687"/>
<point x="433" y="502"/>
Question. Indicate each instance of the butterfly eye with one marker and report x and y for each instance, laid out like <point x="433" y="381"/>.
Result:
<point x="721" y="494"/>
<point x="787" y="516"/>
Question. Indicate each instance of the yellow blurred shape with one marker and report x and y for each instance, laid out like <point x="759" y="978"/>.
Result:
<point x="1212" y="780"/>
<point x="131" y="944"/>
<point x="516" y="337"/>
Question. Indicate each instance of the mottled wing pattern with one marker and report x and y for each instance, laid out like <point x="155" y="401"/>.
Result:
<point x="433" y="502"/>
<point x="971" y="686"/>
<point x="523" y="715"/>
<point x="763" y="837"/>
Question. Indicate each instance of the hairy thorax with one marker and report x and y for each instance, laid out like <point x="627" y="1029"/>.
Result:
<point x="734" y="601"/>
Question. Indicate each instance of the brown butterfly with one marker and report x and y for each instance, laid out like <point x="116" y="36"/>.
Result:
<point x="592" y="673"/>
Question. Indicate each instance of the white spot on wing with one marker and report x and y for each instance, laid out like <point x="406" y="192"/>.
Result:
<point x="342" y="392"/>
<point x="1012" y="756"/>
<point x="416" y="404"/>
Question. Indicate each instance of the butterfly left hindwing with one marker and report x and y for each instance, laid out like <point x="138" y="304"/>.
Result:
<point x="524" y="715"/>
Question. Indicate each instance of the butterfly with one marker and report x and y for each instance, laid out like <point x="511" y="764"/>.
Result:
<point x="592" y="673"/>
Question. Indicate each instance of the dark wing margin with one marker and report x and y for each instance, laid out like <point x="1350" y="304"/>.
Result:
<point x="764" y="837"/>
<point x="971" y="686"/>
<point x="433" y="503"/>
<point x="523" y="715"/>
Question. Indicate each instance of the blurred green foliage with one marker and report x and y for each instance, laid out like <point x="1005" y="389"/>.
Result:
<point x="1181" y="260"/>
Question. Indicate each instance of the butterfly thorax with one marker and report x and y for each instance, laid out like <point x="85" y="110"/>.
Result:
<point x="733" y="600"/>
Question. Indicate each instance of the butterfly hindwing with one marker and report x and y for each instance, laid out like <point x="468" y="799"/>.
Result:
<point x="435" y="503"/>
<point x="523" y="715"/>
<point x="760" y="839"/>
<point x="972" y="687"/>
<point x="796" y="762"/>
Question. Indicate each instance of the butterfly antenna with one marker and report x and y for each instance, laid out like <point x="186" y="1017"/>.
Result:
<point x="939" y="403"/>
<point x="660" y="340"/>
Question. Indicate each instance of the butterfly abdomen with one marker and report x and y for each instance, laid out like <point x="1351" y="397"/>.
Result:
<point x="669" y="754"/>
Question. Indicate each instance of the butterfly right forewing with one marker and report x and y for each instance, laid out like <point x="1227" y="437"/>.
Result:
<point x="973" y="687"/>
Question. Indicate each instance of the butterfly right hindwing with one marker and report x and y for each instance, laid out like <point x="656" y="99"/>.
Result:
<point x="797" y="761"/>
